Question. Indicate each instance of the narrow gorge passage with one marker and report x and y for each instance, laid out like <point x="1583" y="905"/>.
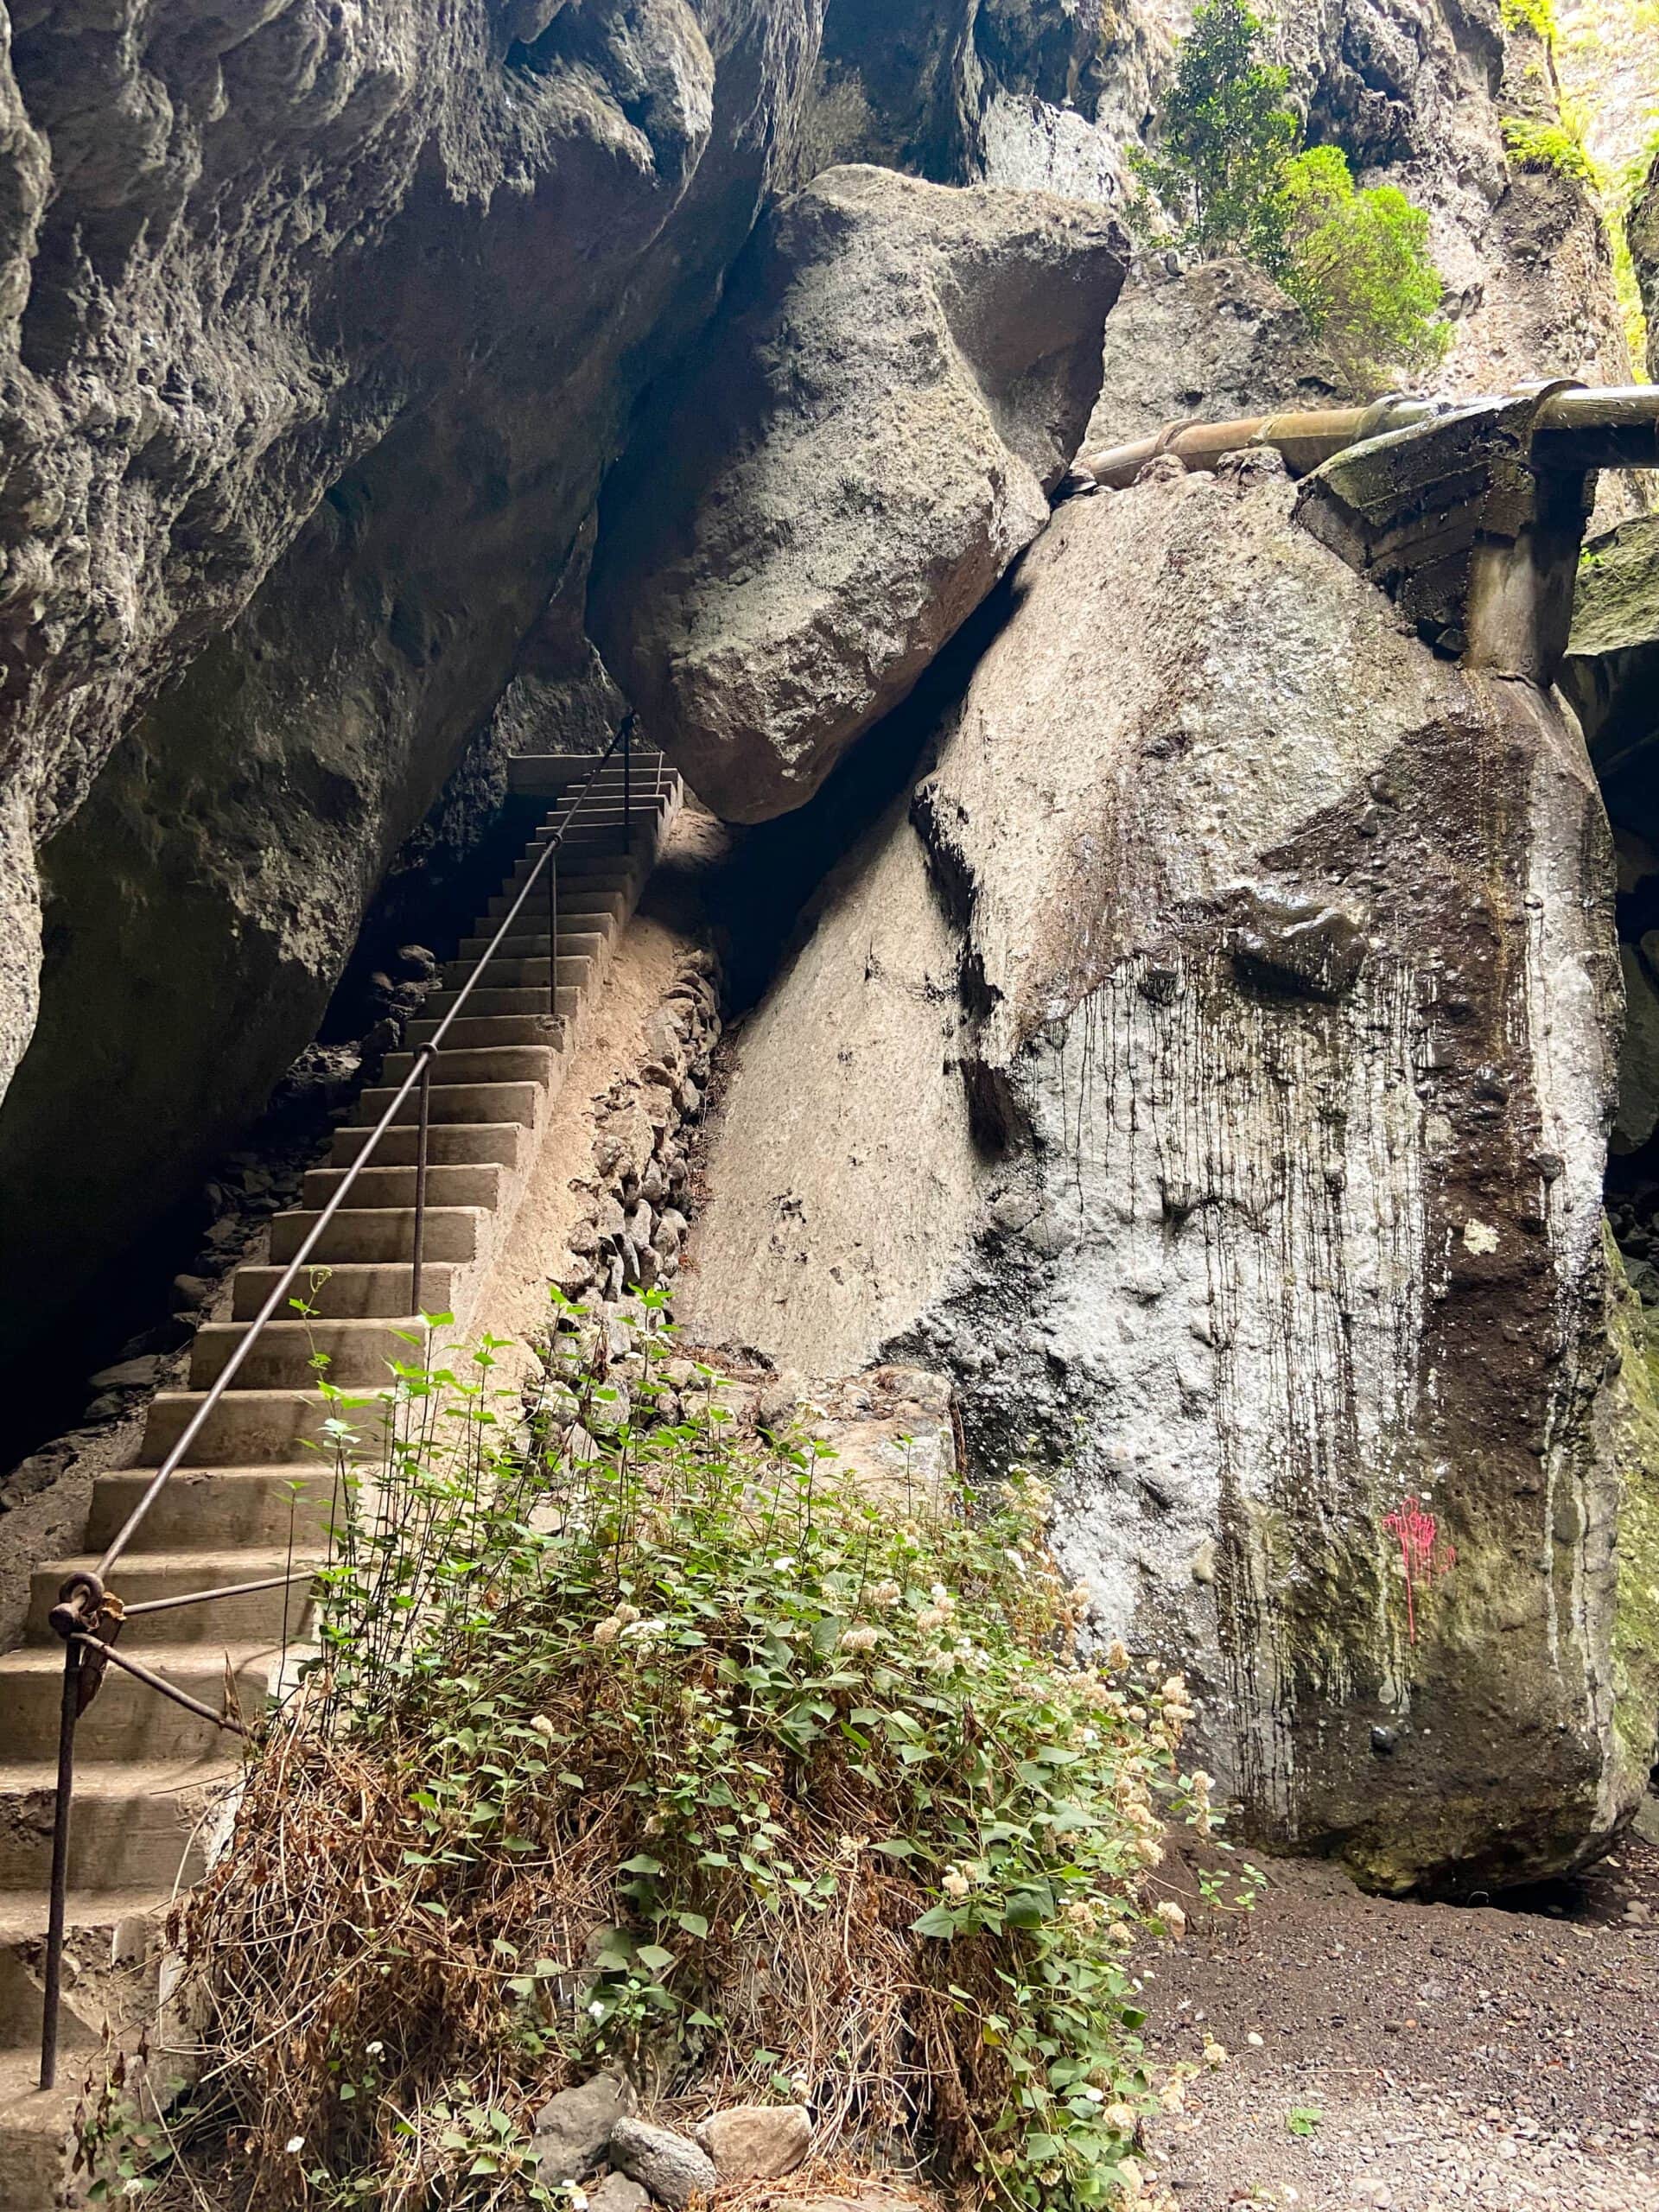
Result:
<point x="916" y="747"/>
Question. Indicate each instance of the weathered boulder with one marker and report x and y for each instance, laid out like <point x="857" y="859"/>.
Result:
<point x="573" y="2128"/>
<point x="1209" y="343"/>
<point x="671" y="2166"/>
<point x="1638" y="1116"/>
<point x="1282" y="1053"/>
<point x="903" y="373"/>
<point x="757" y="2142"/>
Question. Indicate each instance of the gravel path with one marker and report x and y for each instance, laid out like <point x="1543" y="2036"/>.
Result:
<point x="1420" y="2057"/>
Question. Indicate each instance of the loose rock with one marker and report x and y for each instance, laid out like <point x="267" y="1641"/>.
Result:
<point x="672" y="2167"/>
<point x="757" y="2142"/>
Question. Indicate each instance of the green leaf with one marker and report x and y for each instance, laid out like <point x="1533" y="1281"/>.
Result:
<point x="654" y="1956"/>
<point x="693" y="1922"/>
<point x="938" y="1920"/>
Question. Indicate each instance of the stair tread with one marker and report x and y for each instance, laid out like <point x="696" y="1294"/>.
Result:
<point x="23" y="1912"/>
<point x="181" y="1658"/>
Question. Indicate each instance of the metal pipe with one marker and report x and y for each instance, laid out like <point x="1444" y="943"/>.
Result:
<point x="159" y="1683"/>
<point x="226" y="1590"/>
<point x="419" y="1178"/>
<point x="627" y="783"/>
<point x="1616" y="427"/>
<point x="68" y="1714"/>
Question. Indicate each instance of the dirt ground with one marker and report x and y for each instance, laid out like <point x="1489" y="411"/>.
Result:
<point x="1420" y="2057"/>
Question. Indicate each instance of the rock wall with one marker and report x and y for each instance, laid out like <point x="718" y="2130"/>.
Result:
<point x="1042" y="95"/>
<point x="320" y="326"/>
<point x="1284" y="1033"/>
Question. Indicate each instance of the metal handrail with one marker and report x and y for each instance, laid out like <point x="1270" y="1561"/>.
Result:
<point x="81" y="1598"/>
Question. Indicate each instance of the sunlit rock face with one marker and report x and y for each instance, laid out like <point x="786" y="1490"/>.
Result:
<point x="902" y="373"/>
<point x="1286" y="1028"/>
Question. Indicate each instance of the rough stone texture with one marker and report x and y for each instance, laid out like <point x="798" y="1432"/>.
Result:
<point x="317" y="329"/>
<point x="902" y="375"/>
<point x="793" y="1253"/>
<point x="670" y="2166"/>
<point x="1643" y="230"/>
<point x="618" y="2193"/>
<point x="573" y="2128"/>
<point x="1638" y="1060"/>
<point x="1288" y="990"/>
<point x="1044" y="94"/>
<point x="1217" y="341"/>
<point x="1613" y="667"/>
<point x="757" y="2142"/>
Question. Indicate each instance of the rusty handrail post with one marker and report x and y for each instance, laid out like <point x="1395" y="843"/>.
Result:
<point x="61" y="1807"/>
<point x="423" y="1123"/>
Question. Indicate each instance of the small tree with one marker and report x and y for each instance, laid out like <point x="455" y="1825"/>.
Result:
<point x="1229" y="175"/>
<point x="1224" y="137"/>
<point x="1359" y="269"/>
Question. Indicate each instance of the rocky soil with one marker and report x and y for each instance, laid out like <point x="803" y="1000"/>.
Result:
<point x="1419" y="2058"/>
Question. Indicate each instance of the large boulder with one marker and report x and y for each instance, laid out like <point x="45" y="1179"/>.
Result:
<point x="1282" y="1051"/>
<point x="902" y="376"/>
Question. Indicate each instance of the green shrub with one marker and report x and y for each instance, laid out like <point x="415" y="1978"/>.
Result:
<point x="1225" y="175"/>
<point x="1359" y="269"/>
<point x="684" y="1751"/>
<point x="1537" y="16"/>
<point x="1549" y="146"/>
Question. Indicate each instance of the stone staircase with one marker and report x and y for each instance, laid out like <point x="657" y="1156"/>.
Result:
<point x="239" y="1511"/>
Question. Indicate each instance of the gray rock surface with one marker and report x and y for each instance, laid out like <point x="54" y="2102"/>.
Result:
<point x="1254" y="1170"/>
<point x="573" y="2128"/>
<point x="757" y="2142"/>
<point x="618" y="2193"/>
<point x="1041" y="95"/>
<point x="318" y="328"/>
<point x="1217" y="340"/>
<point x="902" y="375"/>
<point x="670" y="2166"/>
<point x="1638" y="1060"/>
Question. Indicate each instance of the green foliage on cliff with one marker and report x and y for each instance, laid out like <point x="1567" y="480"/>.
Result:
<point x="1227" y="175"/>
<point x="1225" y="137"/>
<point x="1530" y="15"/>
<point x="1533" y="144"/>
<point x="1360" y="270"/>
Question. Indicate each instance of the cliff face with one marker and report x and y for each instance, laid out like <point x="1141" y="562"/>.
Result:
<point x="1209" y="1061"/>
<point x="320" y="327"/>
<point x="1284" y="1021"/>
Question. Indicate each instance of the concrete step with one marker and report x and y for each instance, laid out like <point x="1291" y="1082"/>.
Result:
<point x="352" y="1293"/>
<point x="576" y="972"/>
<point x="379" y="1234"/>
<point x="448" y="1144"/>
<point x="135" y="1823"/>
<point x="463" y="1102"/>
<point x="219" y="1508"/>
<point x="483" y="1031"/>
<point x="490" y="999"/>
<point x="598" y="900"/>
<point x="607" y="865"/>
<point x="505" y="975"/>
<point x="247" y="1428"/>
<point x="478" y="1184"/>
<point x="358" y="1353"/>
<point x="486" y="1064"/>
<point x="35" y="2128"/>
<point x="127" y="1720"/>
<point x="604" y="815"/>
<point x="257" y="1622"/>
<point x="531" y="936"/>
<point x="534" y="772"/>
